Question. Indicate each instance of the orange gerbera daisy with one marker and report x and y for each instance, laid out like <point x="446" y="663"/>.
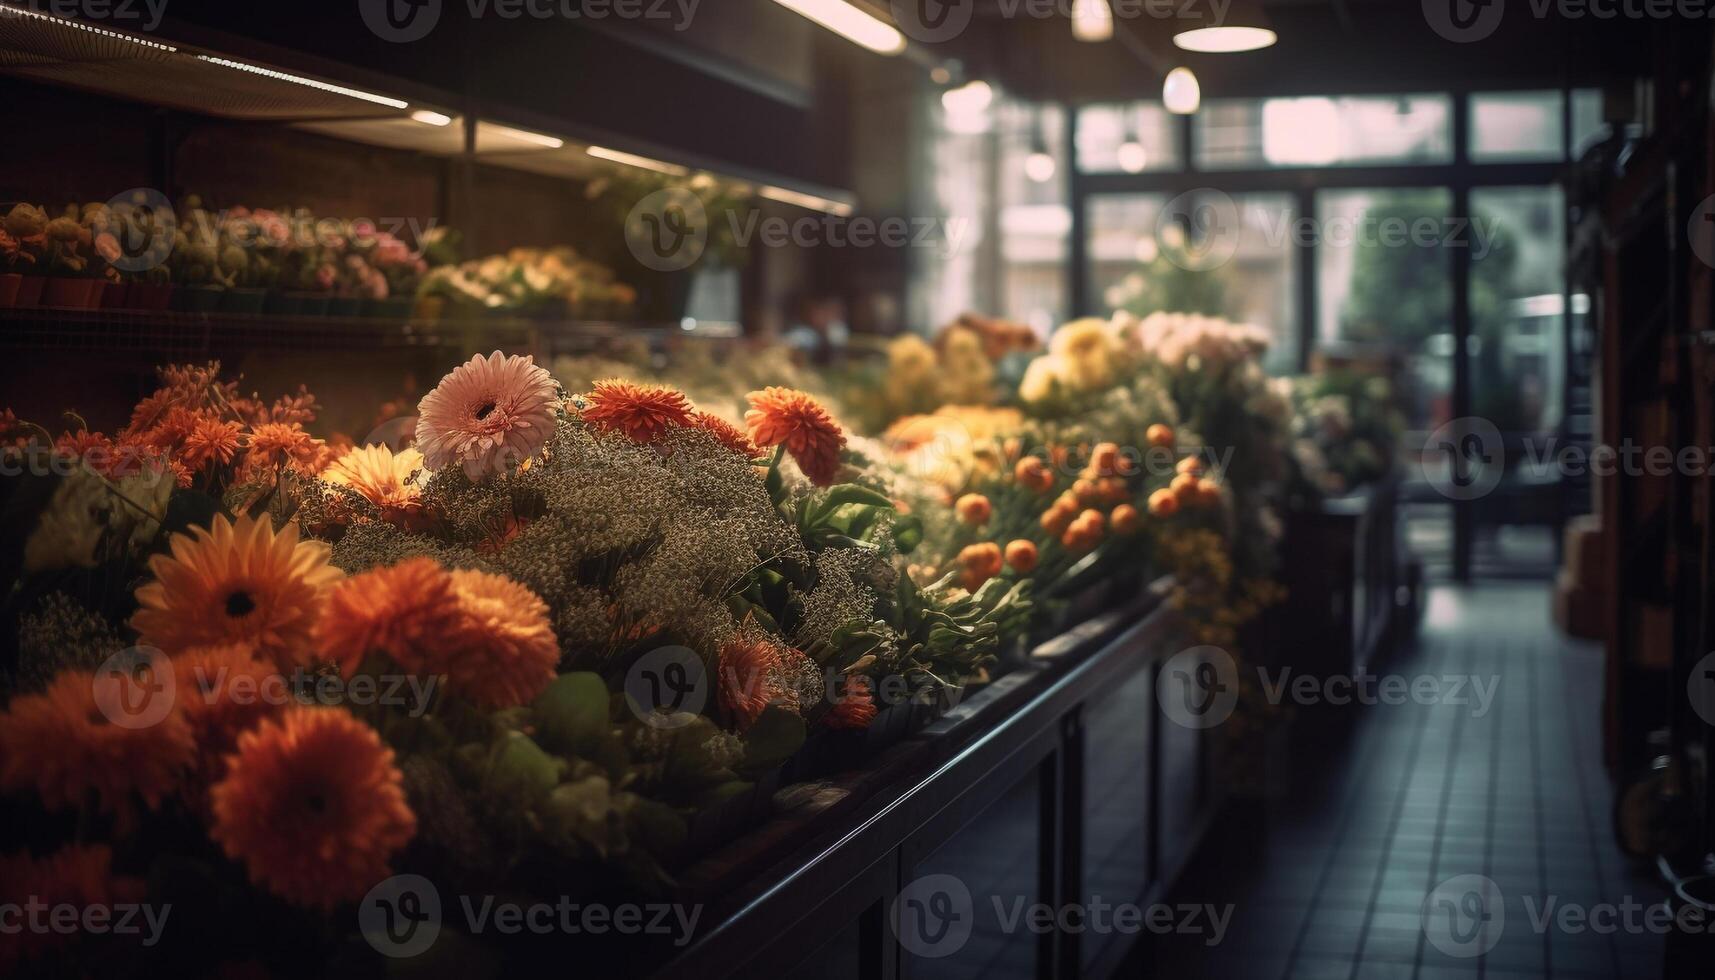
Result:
<point x="749" y="670"/>
<point x="313" y="806"/>
<point x="384" y="478"/>
<point x="212" y="440"/>
<point x="642" y="412"/>
<point x="78" y="875"/>
<point x="88" y="737"/>
<point x="729" y="435"/>
<point x="237" y="583"/>
<point x="855" y="707"/>
<point x="501" y="651"/>
<point x="783" y="416"/>
<point x="405" y="612"/>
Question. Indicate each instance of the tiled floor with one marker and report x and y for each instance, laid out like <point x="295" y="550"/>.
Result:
<point x="1412" y="795"/>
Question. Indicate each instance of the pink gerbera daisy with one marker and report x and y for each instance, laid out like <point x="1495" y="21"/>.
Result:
<point x="487" y="414"/>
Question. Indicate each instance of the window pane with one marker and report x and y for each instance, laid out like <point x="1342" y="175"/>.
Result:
<point x="1236" y="134"/>
<point x="1130" y="269"/>
<point x="1518" y="367"/>
<point x="1035" y="222"/>
<point x="1149" y="129"/>
<point x="1588" y="125"/>
<point x="1516" y="126"/>
<point x="1388" y="305"/>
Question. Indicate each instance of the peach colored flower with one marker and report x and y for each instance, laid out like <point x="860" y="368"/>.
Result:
<point x="487" y="414"/>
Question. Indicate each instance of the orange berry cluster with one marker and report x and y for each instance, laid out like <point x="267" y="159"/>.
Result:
<point x="982" y="561"/>
<point x="1190" y="488"/>
<point x="1076" y="518"/>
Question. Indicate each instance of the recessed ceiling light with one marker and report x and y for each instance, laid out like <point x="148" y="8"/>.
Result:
<point x="857" y="26"/>
<point x="429" y="117"/>
<point x="1225" y="40"/>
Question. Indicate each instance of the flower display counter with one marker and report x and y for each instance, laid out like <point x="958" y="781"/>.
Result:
<point x="1061" y="771"/>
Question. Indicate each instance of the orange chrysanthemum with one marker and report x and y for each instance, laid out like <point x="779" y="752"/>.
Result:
<point x="749" y="679"/>
<point x="88" y="737"/>
<point x="384" y="478"/>
<point x="237" y="583"/>
<point x="729" y="435"/>
<point x="783" y="416"/>
<point x="855" y="707"/>
<point x="501" y="651"/>
<point x="642" y="412"/>
<point x="212" y="440"/>
<point x="277" y="444"/>
<point x="404" y="612"/>
<point x="313" y="806"/>
<point x="224" y="691"/>
<point x="79" y="875"/>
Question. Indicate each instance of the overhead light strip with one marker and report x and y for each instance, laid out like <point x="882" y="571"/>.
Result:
<point x="633" y="160"/>
<point x="856" y="26"/>
<point x="839" y="209"/>
<point x="524" y="136"/>
<point x="6" y="8"/>
<point x="307" y="82"/>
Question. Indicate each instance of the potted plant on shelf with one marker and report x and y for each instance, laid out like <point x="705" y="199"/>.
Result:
<point x="71" y="284"/>
<point x="26" y="225"/>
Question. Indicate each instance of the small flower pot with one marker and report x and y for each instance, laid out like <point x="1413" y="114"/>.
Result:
<point x="66" y="293"/>
<point x="344" y="306"/>
<point x="391" y="308"/>
<point x="197" y="299"/>
<point x="151" y="297"/>
<point x="310" y="304"/>
<point x="30" y="291"/>
<point x="246" y="300"/>
<point x="9" y="284"/>
<point x="429" y="308"/>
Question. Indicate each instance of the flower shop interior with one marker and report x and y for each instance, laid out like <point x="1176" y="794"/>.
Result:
<point x="857" y="488"/>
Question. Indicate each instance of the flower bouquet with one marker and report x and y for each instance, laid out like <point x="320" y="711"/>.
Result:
<point x="538" y="640"/>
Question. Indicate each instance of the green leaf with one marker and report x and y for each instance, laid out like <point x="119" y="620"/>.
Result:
<point x="907" y="533"/>
<point x="572" y="713"/>
<point x="520" y="769"/>
<point x="851" y="493"/>
<point x="773" y="739"/>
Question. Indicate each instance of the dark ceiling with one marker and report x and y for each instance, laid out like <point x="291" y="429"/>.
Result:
<point x="1325" y="47"/>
